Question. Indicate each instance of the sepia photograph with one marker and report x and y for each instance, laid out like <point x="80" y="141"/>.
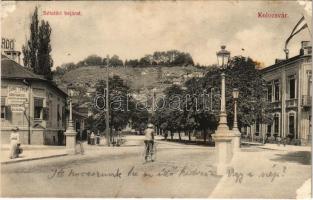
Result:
<point x="156" y="99"/>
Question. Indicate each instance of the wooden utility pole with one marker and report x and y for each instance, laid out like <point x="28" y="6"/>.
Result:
<point x="106" y="93"/>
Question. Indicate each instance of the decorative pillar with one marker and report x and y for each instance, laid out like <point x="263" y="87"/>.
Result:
<point x="70" y="132"/>
<point x="237" y="134"/>
<point x="223" y="136"/>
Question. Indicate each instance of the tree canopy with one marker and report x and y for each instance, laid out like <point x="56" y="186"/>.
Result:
<point x="123" y="107"/>
<point x="37" y="49"/>
<point x="201" y="99"/>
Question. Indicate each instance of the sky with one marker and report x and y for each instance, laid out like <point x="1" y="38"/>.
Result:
<point x="132" y="29"/>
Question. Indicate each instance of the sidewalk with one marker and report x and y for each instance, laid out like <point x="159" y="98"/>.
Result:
<point x="286" y="168"/>
<point x="32" y="152"/>
<point x="36" y="152"/>
<point x="280" y="147"/>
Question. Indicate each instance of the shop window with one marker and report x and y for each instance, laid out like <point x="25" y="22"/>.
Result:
<point x="38" y="108"/>
<point x="292" y="87"/>
<point x="276" y="90"/>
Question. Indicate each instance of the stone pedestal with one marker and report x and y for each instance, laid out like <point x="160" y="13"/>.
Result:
<point x="236" y="139"/>
<point x="224" y="149"/>
<point x="70" y="139"/>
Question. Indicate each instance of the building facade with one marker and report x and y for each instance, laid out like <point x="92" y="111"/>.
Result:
<point x="289" y="90"/>
<point x="33" y="104"/>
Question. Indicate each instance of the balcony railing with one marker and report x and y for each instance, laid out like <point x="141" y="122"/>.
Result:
<point x="306" y="101"/>
<point x="291" y="103"/>
<point x="276" y="104"/>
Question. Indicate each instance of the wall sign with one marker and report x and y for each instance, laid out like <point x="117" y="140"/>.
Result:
<point x="7" y="44"/>
<point x="17" y="97"/>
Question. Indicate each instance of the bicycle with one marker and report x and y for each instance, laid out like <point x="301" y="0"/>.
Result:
<point x="152" y="154"/>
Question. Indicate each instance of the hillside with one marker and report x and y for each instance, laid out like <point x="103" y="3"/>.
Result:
<point x="138" y="79"/>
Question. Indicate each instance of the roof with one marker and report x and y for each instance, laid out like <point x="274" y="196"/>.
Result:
<point x="14" y="71"/>
<point x="11" y="69"/>
<point x="284" y="62"/>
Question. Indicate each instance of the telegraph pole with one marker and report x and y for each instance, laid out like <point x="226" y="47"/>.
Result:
<point x="107" y="125"/>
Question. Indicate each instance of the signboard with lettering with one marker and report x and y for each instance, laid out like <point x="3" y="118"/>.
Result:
<point x="7" y="44"/>
<point x="17" y="97"/>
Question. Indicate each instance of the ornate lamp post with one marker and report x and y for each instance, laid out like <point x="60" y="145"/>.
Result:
<point x="222" y="59"/>
<point x="236" y="131"/>
<point x="223" y="136"/>
<point x="70" y="131"/>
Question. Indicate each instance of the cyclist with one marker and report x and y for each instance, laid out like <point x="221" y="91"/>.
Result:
<point x="149" y="141"/>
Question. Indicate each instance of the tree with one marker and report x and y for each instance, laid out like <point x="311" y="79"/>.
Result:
<point x="115" y="61"/>
<point x="37" y="49"/>
<point x="169" y="114"/>
<point x="30" y="49"/>
<point x="45" y="61"/>
<point x="198" y="114"/>
<point x="93" y="60"/>
<point x="242" y="74"/>
<point x="123" y="108"/>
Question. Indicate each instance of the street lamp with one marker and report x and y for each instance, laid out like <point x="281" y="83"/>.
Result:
<point x="235" y="126"/>
<point x="223" y="57"/>
<point x="70" y="131"/>
<point x="223" y="137"/>
<point x="107" y="106"/>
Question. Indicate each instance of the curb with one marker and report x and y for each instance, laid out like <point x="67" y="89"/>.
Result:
<point x="30" y="159"/>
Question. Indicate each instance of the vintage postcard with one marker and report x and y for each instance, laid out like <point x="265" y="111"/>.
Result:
<point x="156" y="99"/>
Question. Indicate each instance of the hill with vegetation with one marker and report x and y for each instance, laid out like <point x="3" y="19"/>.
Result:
<point x="158" y="77"/>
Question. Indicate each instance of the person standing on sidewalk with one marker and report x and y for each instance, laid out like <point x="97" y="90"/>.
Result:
<point x="149" y="141"/>
<point x="14" y="143"/>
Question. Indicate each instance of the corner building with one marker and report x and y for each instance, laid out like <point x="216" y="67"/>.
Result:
<point x="33" y="104"/>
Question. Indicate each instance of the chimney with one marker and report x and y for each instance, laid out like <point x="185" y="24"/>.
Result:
<point x="14" y="55"/>
<point x="306" y="48"/>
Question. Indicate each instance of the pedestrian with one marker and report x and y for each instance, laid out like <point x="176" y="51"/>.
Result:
<point x="14" y="143"/>
<point x="92" y="138"/>
<point x="88" y="137"/>
<point x="278" y="140"/>
<point x="149" y="141"/>
<point x="285" y="141"/>
<point x="98" y="138"/>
